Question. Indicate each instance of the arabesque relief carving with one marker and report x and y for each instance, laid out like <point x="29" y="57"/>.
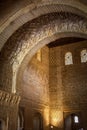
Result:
<point x="9" y="98"/>
<point x="24" y="39"/>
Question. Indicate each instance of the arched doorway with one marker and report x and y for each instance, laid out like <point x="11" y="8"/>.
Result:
<point x="37" y="122"/>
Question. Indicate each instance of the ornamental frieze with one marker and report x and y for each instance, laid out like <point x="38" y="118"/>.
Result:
<point x="8" y="98"/>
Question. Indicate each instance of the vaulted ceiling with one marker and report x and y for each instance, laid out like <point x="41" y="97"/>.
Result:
<point x="66" y="40"/>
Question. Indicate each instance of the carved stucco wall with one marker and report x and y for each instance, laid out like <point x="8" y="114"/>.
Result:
<point x="9" y="109"/>
<point x="35" y="80"/>
<point x="35" y="89"/>
<point x="15" y="13"/>
<point x="31" y="35"/>
<point x="67" y="83"/>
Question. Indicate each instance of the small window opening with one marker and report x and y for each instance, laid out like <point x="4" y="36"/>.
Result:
<point x="68" y="58"/>
<point x="84" y="56"/>
<point x="39" y="55"/>
<point x="76" y="119"/>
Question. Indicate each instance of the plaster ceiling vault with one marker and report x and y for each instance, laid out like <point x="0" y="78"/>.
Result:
<point x="40" y="23"/>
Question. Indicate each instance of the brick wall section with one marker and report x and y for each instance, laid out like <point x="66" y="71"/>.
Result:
<point x="35" y="90"/>
<point x="68" y="84"/>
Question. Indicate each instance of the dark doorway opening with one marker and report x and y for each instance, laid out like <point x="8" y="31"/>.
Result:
<point x="37" y="122"/>
<point x="73" y="122"/>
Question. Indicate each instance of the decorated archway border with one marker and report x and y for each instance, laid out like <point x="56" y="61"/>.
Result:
<point x="33" y="10"/>
<point x="35" y="35"/>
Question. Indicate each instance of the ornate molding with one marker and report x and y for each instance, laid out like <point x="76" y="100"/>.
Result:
<point x="30" y="35"/>
<point x="9" y="98"/>
<point x="37" y="30"/>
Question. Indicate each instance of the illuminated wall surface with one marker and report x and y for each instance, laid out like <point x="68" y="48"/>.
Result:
<point x="67" y="83"/>
<point x="35" y="86"/>
<point x="46" y="90"/>
<point x="55" y="89"/>
<point x="56" y="118"/>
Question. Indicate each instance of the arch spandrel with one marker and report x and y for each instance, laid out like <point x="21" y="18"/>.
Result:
<point x="33" y="33"/>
